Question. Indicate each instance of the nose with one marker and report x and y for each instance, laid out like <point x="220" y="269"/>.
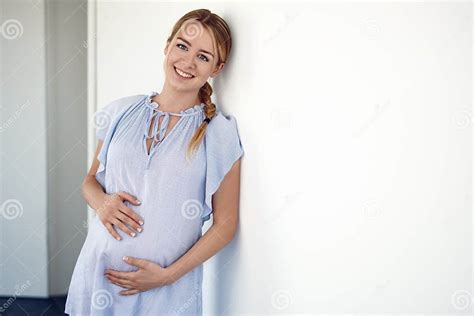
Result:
<point x="188" y="62"/>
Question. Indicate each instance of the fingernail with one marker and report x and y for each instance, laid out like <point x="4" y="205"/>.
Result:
<point x="139" y="202"/>
<point x="139" y="229"/>
<point x="125" y="258"/>
<point x="118" y="238"/>
<point x="133" y="234"/>
<point x="140" y="222"/>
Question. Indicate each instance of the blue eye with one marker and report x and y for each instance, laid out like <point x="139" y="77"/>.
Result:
<point x="205" y="58"/>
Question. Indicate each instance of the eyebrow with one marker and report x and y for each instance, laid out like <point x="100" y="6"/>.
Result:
<point x="202" y="50"/>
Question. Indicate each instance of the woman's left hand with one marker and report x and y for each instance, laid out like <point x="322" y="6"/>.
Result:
<point x="149" y="275"/>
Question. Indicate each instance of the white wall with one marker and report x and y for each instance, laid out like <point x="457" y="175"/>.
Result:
<point x="356" y="120"/>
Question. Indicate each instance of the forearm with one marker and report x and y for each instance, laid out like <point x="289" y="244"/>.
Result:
<point x="93" y="192"/>
<point x="207" y="246"/>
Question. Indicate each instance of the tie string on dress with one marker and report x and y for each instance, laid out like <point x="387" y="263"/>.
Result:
<point x="154" y="112"/>
<point x="159" y="134"/>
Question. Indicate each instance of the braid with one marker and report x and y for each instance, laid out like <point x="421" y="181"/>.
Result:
<point x="205" y="96"/>
<point x="209" y="111"/>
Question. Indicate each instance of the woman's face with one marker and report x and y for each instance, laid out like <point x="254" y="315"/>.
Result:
<point x="192" y="51"/>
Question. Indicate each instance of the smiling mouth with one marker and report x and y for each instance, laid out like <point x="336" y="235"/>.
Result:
<point x="183" y="74"/>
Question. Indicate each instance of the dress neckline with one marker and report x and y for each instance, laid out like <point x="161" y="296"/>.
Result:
<point x="197" y="108"/>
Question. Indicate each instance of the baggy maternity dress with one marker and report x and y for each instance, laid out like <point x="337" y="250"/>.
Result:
<point x="176" y="195"/>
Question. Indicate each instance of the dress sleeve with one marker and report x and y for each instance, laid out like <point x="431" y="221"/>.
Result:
<point x="105" y="121"/>
<point x="104" y="117"/>
<point x="223" y="149"/>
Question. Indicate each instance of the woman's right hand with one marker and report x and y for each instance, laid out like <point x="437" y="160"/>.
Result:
<point x="114" y="212"/>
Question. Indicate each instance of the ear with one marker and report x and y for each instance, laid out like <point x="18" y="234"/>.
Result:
<point x="218" y="70"/>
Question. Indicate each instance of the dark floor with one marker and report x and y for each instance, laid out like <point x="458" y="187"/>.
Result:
<point x="32" y="306"/>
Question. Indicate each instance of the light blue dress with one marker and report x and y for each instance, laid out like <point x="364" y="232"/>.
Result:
<point x="176" y="195"/>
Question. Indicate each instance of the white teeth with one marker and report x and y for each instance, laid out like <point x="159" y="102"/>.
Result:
<point x="183" y="74"/>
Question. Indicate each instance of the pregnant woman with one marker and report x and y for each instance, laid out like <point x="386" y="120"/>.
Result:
<point x="164" y="162"/>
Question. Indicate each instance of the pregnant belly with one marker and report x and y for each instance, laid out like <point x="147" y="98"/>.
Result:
<point x="142" y="246"/>
<point x="159" y="245"/>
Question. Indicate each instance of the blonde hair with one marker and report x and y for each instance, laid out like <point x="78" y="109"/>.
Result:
<point x="223" y="42"/>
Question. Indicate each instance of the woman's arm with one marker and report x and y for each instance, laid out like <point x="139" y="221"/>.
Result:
<point x="226" y="206"/>
<point x="92" y="191"/>
<point x="110" y="208"/>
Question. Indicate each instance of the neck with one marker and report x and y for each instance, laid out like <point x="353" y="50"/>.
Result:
<point x="172" y="100"/>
